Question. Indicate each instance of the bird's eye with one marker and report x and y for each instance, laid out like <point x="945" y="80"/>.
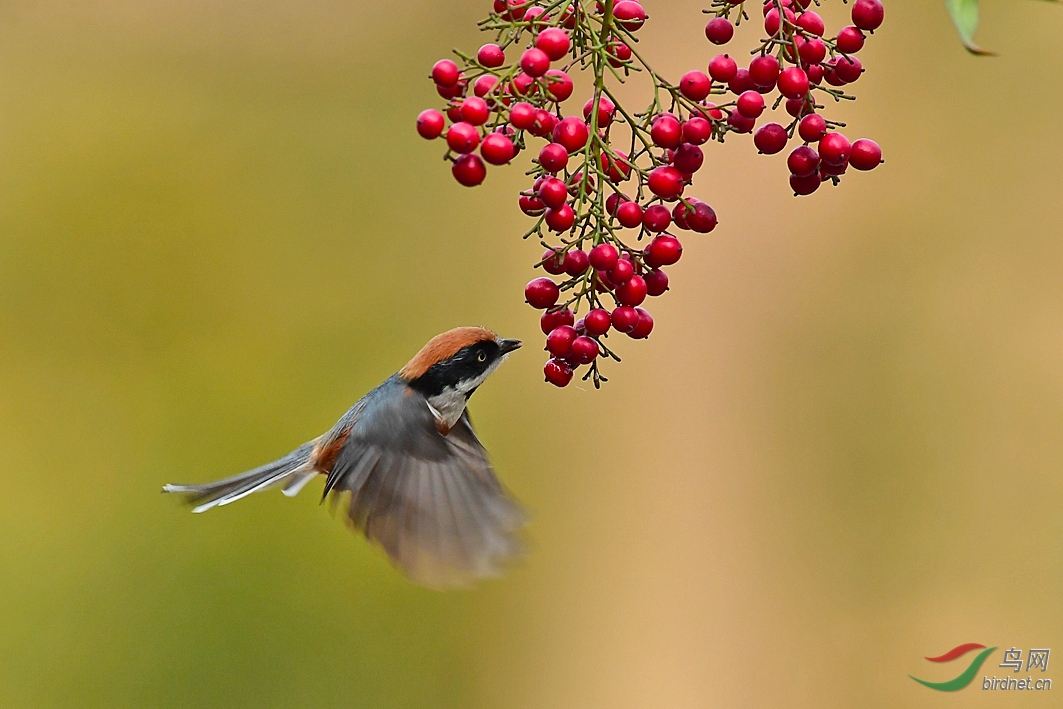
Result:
<point x="482" y="356"/>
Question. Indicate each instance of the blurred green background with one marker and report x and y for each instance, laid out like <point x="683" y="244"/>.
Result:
<point x="840" y="450"/>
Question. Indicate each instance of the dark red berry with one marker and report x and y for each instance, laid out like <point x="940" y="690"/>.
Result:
<point x="629" y="214"/>
<point x="560" y="218"/>
<point x="445" y="73"/>
<point x="695" y="85"/>
<point x="688" y="159"/>
<point x="666" y="182"/>
<point x="812" y="128"/>
<point x="770" y="139"/>
<point x="848" y="69"/>
<point x="430" y="124"/>
<point x="596" y="322"/>
<point x="534" y="62"/>
<point x="722" y="68"/>
<point x="554" y="43"/>
<point x="803" y="161"/>
<point x="584" y="350"/>
<point x="719" y="30"/>
<point x="806" y="184"/>
<point x="553" y="157"/>
<point x="497" y="149"/>
<point x="741" y="82"/>
<point x="850" y="40"/>
<point x="865" y="154"/>
<point x="624" y="319"/>
<point x="798" y="107"/>
<point x="644" y="326"/>
<point x="559" y="341"/>
<point x="541" y="293"/>
<point x="469" y="170"/>
<point x="558" y="373"/>
<point x="764" y="71"/>
<point x="793" y="82"/>
<point x="703" y="219"/>
<point x="868" y="14"/>
<point x="656" y="282"/>
<point x="834" y="149"/>
<point x="576" y="262"/>
<point x="656" y="218"/>
<point x="740" y="123"/>
<point x="555" y="318"/>
<point x="666" y="131"/>
<point x="664" y="250"/>
<point x="572" y="133"/>
<point x="631" y="293"/>
<point x="604" y="256"/>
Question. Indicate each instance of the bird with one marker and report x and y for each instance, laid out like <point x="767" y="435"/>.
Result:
<point x="407" y="469"/>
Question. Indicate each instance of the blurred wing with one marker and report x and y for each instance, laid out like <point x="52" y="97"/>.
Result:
<point x="431" y="501"/>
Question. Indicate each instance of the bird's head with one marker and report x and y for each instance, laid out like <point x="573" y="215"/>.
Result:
<point x="456" y="362"/>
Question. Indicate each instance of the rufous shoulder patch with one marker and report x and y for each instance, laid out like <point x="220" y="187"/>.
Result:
<point x="442" y="347"/>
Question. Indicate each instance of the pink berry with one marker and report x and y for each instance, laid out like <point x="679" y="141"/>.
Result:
<point x="619" y="53"/>
<point x="534" y="62"/>
<point x="617" y="168"/>
<point x="469" y="170"/>
<point x="624" y="319"/>
<point x="722" y="68"/>
<point x="553" y="157"/>
<point x="770" y="139"/>
<point x="484" y="84"/>
<point x="644" y="326"/>
<point x="553" y="42"/>
<point x="532" y="206"/>
<point x="576" y="262"/>
<point x="491" y="56"/>
<point x="666" y="182"/>
<point x="497" y="149"/>
<point x="793" y="82"/>
<point x="445" y="73"/>
<point x="812" y="128"/>
<point x="541" y="293"/>
<point x="741" y="82"/>
<point x="719" y="30"/>
<point x="740" y="123"/>
<point x="557" y="373"/>
<point x="629" y="214"/>
<point x="803" y="161"/>
<point x="430" y="124"/>
<point x="664" y="250"/>
<point x="865" y="154"/>
<point x="868" y="14"/>
<point x="604" y="256"/>
<point x="559" y="341"/>
<point x="596" y="322"/>
<point x="695" y="85"/>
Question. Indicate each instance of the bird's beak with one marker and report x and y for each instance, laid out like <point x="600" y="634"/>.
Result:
<point x="507" y="346"/>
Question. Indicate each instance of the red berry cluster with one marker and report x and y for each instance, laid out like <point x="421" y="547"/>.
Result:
<point x="607" y="188"/>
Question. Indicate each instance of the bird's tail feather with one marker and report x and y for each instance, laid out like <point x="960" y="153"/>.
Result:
<point x="293" y="470"/>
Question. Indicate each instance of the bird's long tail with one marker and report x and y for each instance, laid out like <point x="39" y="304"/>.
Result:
<point x="293" y="470"/>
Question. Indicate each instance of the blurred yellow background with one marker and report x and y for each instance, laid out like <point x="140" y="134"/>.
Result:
<point x="840" y="450"/>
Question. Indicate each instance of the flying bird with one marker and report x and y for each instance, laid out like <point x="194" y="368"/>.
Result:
<point x="406" y="467"/>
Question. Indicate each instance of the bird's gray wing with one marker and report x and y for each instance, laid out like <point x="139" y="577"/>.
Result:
<point x="431" y="501"/>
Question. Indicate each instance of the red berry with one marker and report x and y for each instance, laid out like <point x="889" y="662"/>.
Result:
<point x="803" y="161"/>
<point x="688" y="159"/>
<point x="445" y="73"/>
<point x="631" y="293"/>
<point x="696" y="131"/>
<point x="812" y="128"/>
<point x="865" y="154"/>
<point x="557" y="372"/>
<point x="554" y="43"/>
<point x="740" y="123"/>
<point x="604" y="256"/>
<point x="722" y="68"/>
<point x="534" y="62"/>
<point x="584" y="350"/>
<point x="606" y="109"/>
<point x="793" y="82"/>
<point x="597" y="322"/>
<point x="719" y="30"/>
<point x="622" y="272"/>
<point x="554" y="262"/>
<point x="553" y="192"/>
<point x="770" y="139"/>
<point x="541" y="293"/>
<point x="491" y="56"/>
<point x="463" y="138"/>
<point x="555" y="318"/>
<point x="532" y="206"/>
<point x="469" y="170"/>
<point x="741" y="82"/>
<point x="813" y="51"/>
<point x="544" y="125"/>
<point x="484" y="84"/>
<point x="644" y="326"/>
<point x="497" y="149"/>
<point x="666" y="182"/>
<point x="559" y="341"/>
<point x="522" y="115"/>
<point x="695" y="85"/>
<point x="867" y="14"/>
<point x="617" y="168"/>
<point x="619" y="53"/>
<point x="624" y="319"/>
<point x="559" y="85"/>
<point x="577" y="188"/>
<point x="850" y="40"/>
<point x="806" y="184"/>
<point x="656" y="218"/>
<point x="629" y="15"/>
<point x="553" y="157"/>
<point x="561" y="218"/>
<point x="750" y="104"/>
<point x="764" y="71"/>
<point x="826" y="170"/>
<point x="848" y="69"/>
<point x="629" y="214"/>
<point x="666" y="131"/>
<point x="664" y="250"/>
<point x="834" y="149"/>
<point x="811" y="22"/>
<point x="474" y="110"/>
<point x="449" y="92"/>
<point x="576" y="262"/>
<point x="430" y="124"/>
<point x="656" y="282"/>
<point x="703" y="219"/>
<point x="797" y="107"/>
<point x="521" y="83"/>
<point x="572" y="133"/>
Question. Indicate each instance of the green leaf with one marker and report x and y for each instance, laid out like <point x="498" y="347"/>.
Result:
<point x="965" y="16"/>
